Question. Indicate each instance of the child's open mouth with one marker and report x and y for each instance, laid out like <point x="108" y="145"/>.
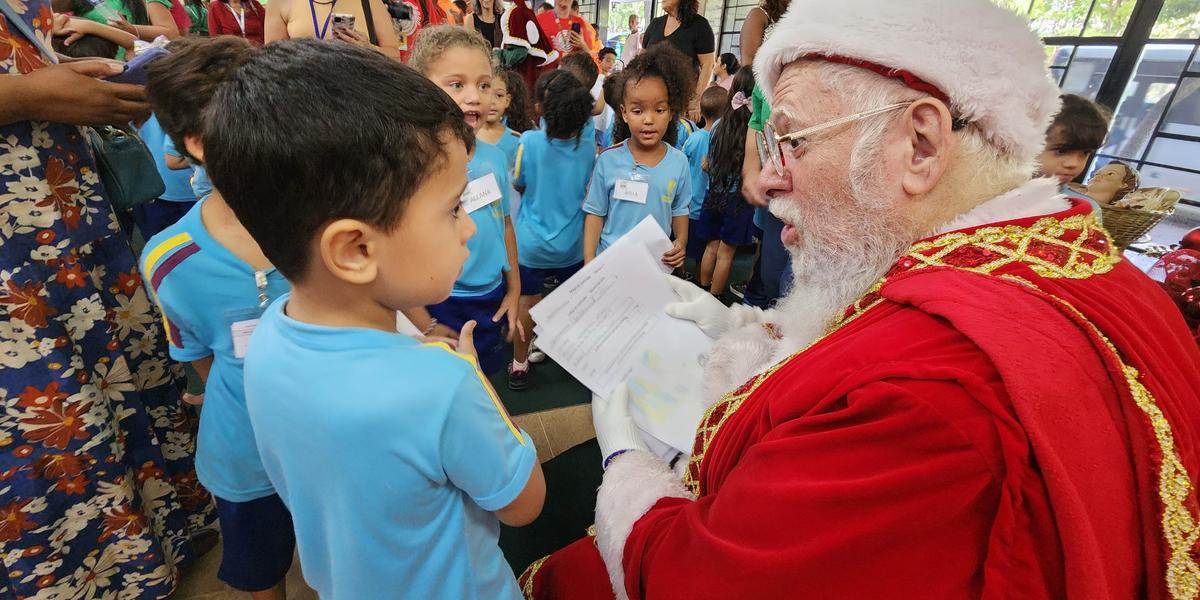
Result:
<point x="472" y="117"/>
<point x="647" y="134"/>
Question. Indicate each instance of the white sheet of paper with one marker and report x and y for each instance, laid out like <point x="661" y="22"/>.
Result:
<point x="607" y="325"/>
<point x="650" y="235"/>
<point x="480" y="192"/>
<point x="631" y="191"/>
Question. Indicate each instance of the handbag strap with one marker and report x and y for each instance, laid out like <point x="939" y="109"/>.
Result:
<point x="366" y="6"/>
<point x="27" y="31"/>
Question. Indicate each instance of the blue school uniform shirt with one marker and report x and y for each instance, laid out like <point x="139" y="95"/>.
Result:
<point x="201" y="186"/>
<point x="391" y="455"/>
<point x="177" y="182"/>
<point x="696" y="150"/>
<point x="555" y="176"/>
<point x="203" y="290"/>
<point x="508" y="144"/>
<point x="683" y="132"/>
<point x="485" y="268"/>
<point x="669" y="195"/>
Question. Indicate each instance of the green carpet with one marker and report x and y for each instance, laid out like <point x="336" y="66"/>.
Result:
<point x="571" y="481"/>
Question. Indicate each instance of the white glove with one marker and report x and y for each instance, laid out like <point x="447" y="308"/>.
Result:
<point x="714" y="318"/>
<point x="615" y="429"/>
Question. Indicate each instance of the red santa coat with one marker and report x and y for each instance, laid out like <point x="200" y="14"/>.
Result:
<point x="1011" y="413"/>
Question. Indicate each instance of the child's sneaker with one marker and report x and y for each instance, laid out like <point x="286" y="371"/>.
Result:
<point x="518" y="379"/>
<point x="536" y="356"/>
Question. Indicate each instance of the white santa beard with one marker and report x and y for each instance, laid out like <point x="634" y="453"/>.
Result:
<point x="849" y="237"/>
<point x="845" y="245"/>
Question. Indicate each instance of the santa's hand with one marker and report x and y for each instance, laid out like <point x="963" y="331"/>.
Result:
<point x="714" y="318"/>
<point x="615" y="430"/>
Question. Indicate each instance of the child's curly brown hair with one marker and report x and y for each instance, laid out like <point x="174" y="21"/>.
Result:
<point x="663" y="61"/>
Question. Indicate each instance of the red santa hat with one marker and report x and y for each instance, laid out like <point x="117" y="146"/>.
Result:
<point x="983" y="60"/>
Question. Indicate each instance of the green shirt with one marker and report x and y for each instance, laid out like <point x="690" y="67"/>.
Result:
<point x="760" y="112"/>
<point x="111" y="9"/>
<point x="199" y="16"/>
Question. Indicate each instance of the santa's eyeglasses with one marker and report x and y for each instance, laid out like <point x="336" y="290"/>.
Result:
<point x="772" y="143"/>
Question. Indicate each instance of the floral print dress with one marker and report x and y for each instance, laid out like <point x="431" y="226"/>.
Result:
<point x="98" y="495"/>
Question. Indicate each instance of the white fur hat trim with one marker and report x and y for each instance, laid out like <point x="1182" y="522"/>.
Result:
<point x="983" y="57"/>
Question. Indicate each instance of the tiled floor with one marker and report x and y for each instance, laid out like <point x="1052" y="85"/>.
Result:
<point x="553" y="432"/>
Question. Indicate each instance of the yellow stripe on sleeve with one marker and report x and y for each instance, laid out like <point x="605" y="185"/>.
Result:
<point x="517" y="164"/>
<point x="487" y="386"/>
<point x="167" y="245"/>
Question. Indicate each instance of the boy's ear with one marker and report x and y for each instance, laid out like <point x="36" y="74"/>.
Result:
<point x="191" y="143"/>
<point x="350" y="251"/>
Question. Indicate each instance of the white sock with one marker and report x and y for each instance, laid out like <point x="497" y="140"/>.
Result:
<point x="520" y="366"/>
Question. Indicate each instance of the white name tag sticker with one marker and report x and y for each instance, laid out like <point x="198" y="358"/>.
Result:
<point x="481" y="192"/>
<point x="631" y="191"/>
<point x="240" y="331"/>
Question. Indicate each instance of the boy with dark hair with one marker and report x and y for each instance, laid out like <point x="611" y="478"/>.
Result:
<point x="395" y="457"/>
<point x="608" y="60"/>
<point x="211" y="281"/>
<point x="1078" y="130"/>
<point x="582" y="67"/>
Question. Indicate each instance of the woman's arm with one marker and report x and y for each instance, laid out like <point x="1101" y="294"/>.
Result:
<point x="385" y="34"/>
<point x="75" y="28"/>
<point x="753" y="29"/>
<point x="706" y="69"/>
<point x="275" y="23"/>
<point x="72" y="93"/>
<point x="161" y="23"/>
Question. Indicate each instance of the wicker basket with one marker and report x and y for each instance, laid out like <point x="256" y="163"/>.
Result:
<point x="1126" y="225"/>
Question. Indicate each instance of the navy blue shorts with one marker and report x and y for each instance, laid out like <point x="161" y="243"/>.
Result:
<point x="696" y="241"/>
<point x="734" y="225"/>
<point x="257" y="543"/>
<point x="489" y="336"/>
<point x="534" y="280"/>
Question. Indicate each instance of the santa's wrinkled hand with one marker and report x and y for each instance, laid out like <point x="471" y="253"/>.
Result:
<point x="714" y="318"/>
<point x="615" y="430"/>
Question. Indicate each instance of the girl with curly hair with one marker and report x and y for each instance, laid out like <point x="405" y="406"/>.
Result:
<point x="644" y="175"/>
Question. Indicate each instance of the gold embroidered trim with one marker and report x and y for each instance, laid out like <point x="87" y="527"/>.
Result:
<point x="529" y="574"/>
<point x="1180" y="528"/>
<point x="1040" y="246"/>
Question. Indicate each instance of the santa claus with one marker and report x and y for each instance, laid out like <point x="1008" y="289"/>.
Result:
<point x="968" y="394"/>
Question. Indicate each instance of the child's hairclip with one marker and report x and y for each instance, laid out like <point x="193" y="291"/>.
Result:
<point x="739" y="100"/>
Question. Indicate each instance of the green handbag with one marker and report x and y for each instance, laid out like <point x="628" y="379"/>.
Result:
<point x="125" y="166"/>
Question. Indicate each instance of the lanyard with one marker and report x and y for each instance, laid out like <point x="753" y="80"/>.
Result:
<point x="320" y="31"/>
<point x="240" y="17"/>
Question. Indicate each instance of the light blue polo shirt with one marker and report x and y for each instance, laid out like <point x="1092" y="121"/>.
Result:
<point x="555" y="176"/>
<point x="670" y="191"/>
<point x="696" y="150"/>
<point x="684" y="131"/>
<point x="508" y="144"/>
<point x="201" y="186"/>
<point x="205" y="291"/>
<point x="485" y="268"/>
<point x="177" y="184"/>
<point x="392" y="457"/>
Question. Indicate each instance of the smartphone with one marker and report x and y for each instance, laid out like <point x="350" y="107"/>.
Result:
<point x="576" y="27"/>
<point x="343" y="21"/>
<point x="135" y="69"/>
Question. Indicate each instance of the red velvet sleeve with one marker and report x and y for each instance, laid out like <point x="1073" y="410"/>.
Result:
<point x="890" y="495"/>
<point x="214" y="21"/>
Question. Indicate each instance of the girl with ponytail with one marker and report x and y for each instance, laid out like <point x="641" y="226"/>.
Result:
<point x="552" y="170"/>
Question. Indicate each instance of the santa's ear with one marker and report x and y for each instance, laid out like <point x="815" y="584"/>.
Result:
<point x="928" y="143"/>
